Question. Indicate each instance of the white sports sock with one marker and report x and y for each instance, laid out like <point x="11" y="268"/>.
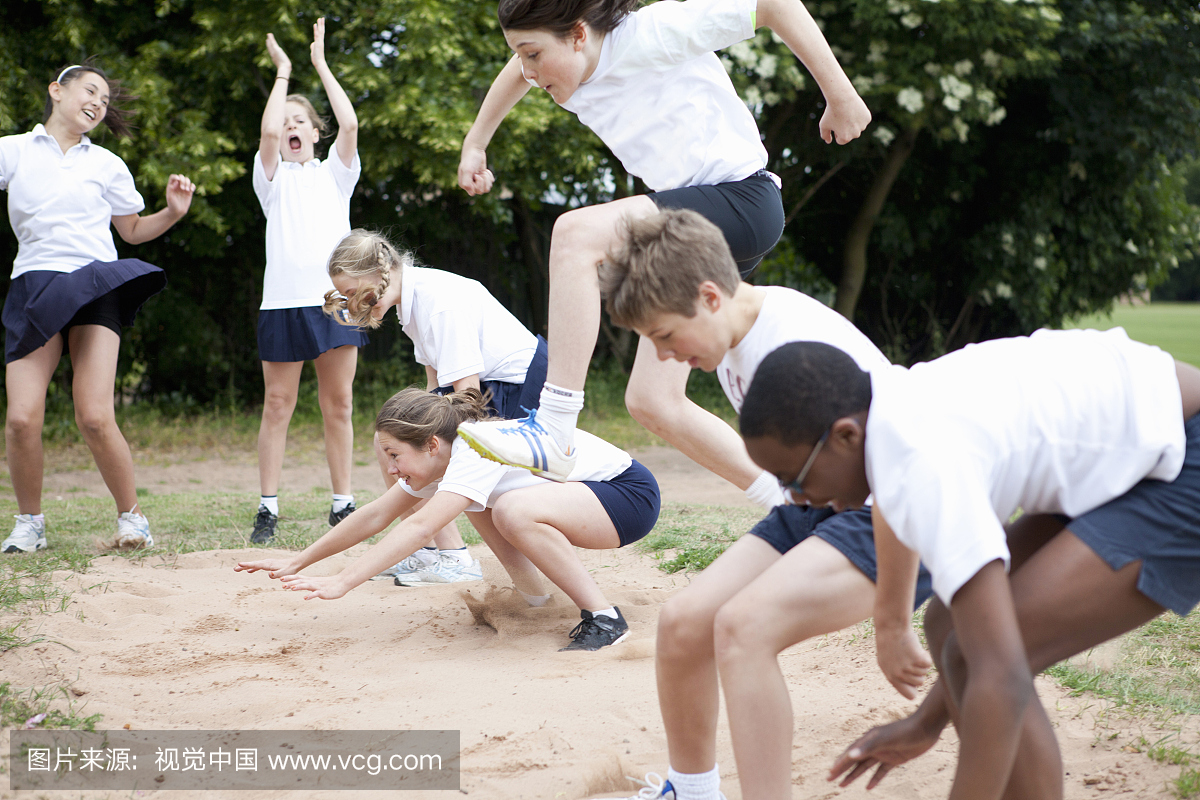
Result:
<point x="272" y="503"/>
<point x="38" y="517"/>
<point x="340" y="501"/>
<point x="535" y="600"/>
<point x="609" y="612"/>
<point x="558" y="412"/>
<point x="695" y="786"/>
<point x="459" y="554"/>
<point x="766" y="491"/>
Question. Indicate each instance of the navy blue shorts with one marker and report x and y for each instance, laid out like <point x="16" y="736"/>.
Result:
<point x="749" y="212"/>
<point x="516" y="400"/>
<point x="1158" y="524"/>
<point x="42" y="303"/>
<point x="632" y="501"/>
<point x="302" y="334"/>
<point x="850" y="532"/>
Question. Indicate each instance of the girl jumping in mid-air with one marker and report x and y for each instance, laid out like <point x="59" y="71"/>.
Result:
<point x="649" y="85"/>
<point x="70" y="292"/>
<point x="530" y="524"/>
<point x="307" y="205"/>
<point x="463" y="337"/>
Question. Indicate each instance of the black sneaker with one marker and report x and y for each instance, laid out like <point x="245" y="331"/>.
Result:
<point x="596" y="632"/>
<point x="264" y="526"/>
<point x="337" y="516"/>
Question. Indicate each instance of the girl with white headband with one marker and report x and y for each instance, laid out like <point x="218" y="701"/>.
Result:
<point x="70" y="292"/>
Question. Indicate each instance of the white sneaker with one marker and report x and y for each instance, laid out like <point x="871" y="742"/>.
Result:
<point x="422" y="559"/>
<point x="447" y="570"/>
<point x="133" y="531"/>
<point x="27" y="535"/>
<point x="520" y="443"/>
<point x="654" y="788"/>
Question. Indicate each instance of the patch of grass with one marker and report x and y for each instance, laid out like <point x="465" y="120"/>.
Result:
<point x="689" y="537"/>
<point x="1159" y="666"/>
<point x="1175" y="327"/>
<point x="18" y="705"/>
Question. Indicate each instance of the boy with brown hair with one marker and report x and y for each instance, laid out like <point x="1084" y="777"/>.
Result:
<point x="802" y="571"/>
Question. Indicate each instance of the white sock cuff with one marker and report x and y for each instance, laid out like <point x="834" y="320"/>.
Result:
<point x="766" y="491"/>
<point x="535" y="600"/>
<point x="697" y="785"/>
<point x="559" y="399"/>
<point x="271" y="502"/>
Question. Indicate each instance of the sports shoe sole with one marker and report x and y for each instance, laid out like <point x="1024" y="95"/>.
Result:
<point x="614" y="642"/>
<point x="483" y="450"/>
<point x="39" y="545"/>
<point x="414" y="582"/>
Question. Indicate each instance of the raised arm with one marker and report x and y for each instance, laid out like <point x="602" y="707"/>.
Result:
<point x="401" y="542"/>
<point x="272" y="120"/>
<point x="507" y="90"/>
<point x="903" y="661"/>
<point x="343" y="111"/>
<point x="846" y="115"/>
<point x="136" y="229"/>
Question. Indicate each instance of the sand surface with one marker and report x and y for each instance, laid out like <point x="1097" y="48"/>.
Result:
<point x="187" y="643"/>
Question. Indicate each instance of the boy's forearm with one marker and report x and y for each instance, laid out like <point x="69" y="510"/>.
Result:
<point x="506" y="91"/>
<point x="896" y="577"/>
<point x="790" y="20"/>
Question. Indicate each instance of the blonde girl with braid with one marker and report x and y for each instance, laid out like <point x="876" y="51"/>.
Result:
<point x="306" y="202"/>
<point x="462" y="336"/>
<point x="531" y="524"/>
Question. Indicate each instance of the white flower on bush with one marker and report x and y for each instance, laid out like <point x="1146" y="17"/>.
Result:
<point x="910" y="99"/>
<point x="964" y="67"/>
<point x="961" y="129"/>
<point x="885" y="135"/>
<point x="911" y="20"/>
<point x="766" y="65"/>
<point x="990" y="59"/>
<point x="951" y="102"/>
<point x="1006" y="243"/>
<point x="1003" y="291"/>
<point x="1040" y="262"/>
<point x="953" y="87"/>
<point x="862" y="83"/>
<point x="1131" y="247"/>
<point x="986" y="98"/>
<point x="996" y="116"/>
<point x="876" y="52"/>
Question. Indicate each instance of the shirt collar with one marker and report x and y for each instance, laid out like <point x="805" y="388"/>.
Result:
<point x="408" y="279"/>
<point x="40" y="130"/>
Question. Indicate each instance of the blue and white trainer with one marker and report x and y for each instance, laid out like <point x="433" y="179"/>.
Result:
<point x="655" y="788"/>
<point x="27" y="535"/>
<point x="425" y="558"/>
<point x="448" y="570"/>
<point x="133" y="531"/>
<point x="520" y="443"/>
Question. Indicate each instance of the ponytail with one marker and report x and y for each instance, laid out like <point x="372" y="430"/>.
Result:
<point x="414" y="416"/>
<point x="561" y="17"/>
<point x="116" y="116"/>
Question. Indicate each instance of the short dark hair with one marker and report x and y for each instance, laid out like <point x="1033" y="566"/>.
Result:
<point x="800" y="390"/>
<point x="561" y="16"/>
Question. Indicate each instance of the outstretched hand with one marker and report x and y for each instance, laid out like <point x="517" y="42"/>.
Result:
<point x="887" y="746"/>
<point x="844" y="120"/>
<point x="473" y="175"/>
<point x="317" y="49"/>
<point x="179" y="194"/>
<point x="278" y="57"/>
<point x="903" y="661"/>
<point x="274" y="567"/>
<point x="330" y="588"/>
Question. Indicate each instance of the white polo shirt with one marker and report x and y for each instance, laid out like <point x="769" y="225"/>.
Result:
<point x="790" y="316"/>
<point x="1057" y="422"/>
<point x="663" y="103"/>
<point x="60" y="204"/>
<point x="308" y="213"/>
<point x="482" y="481"/>
<point x="459" y="329"/>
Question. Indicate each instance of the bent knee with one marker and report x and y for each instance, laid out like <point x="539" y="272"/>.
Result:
<point x="735" y="631"/>
<point x="95" y="422"/>
<point x="508" y="515"/>
<point x="685" y="627"/>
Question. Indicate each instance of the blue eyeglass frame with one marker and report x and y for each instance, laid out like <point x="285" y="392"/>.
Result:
<point x="797" y="486"/>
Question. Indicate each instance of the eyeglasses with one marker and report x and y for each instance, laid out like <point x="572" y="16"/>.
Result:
<point x="797" y="486"/>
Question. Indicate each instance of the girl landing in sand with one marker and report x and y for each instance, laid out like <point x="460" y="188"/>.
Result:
<point x="531" y="524"/>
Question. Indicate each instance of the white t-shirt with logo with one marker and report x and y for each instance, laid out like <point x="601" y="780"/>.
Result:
<point x="60" y="204"/>
<point x="482" y="482"/>
<point x="459" y="329"/>
<point x="789" y="316"/>
<point x="308" y="213"/>
<point x="663" y="103"/>
<point x="1057" y="422"/>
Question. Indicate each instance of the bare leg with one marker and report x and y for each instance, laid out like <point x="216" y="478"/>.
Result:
<point x="812" y="590"/>
<point x="577" y="245"/>
<point x="282" y="379"/>
<point x="657" y="398"/>
<point x="685" y="660"/>
<point x="547" y="523"/>
<point x="94" y="350"/>
<point x="524" y="574"/>
<point x="448" y="538"/>
<point x="335" y="393"/>
<point x="25" y="383"/>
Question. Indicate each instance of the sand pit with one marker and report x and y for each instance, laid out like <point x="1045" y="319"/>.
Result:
<point x="187" y="643"/>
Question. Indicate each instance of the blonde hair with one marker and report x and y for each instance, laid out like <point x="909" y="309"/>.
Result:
<point x="319" y="122"/>
<point x="362" y="254"/>
<point x="658" y="264"/>
<point x="415" y="416"/>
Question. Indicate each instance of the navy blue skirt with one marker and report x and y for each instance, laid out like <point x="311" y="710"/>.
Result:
<point x="40" y="303"/>
<point x="302" y="334"/>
